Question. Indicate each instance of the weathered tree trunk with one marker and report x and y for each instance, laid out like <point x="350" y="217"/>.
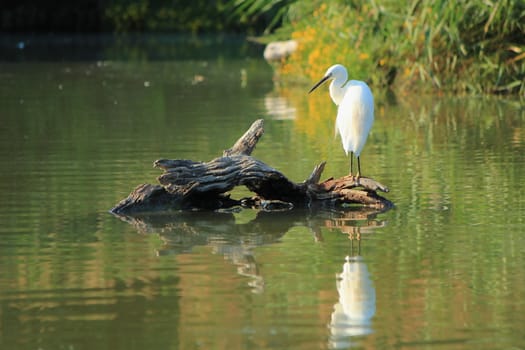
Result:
<point x="190" y="185"/>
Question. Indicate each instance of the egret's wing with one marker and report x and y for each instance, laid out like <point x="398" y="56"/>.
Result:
<point x="343" y="125"/>
<point x="355" y="117"/>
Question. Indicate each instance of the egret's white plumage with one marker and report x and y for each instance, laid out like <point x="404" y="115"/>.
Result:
<point x="355" y="114"/>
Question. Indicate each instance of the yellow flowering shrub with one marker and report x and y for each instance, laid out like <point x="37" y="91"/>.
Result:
<point x="335" y="35"/>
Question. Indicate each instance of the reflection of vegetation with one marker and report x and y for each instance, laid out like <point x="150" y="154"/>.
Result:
<point x="76" y="137"/>
<point x="464" y="46"/>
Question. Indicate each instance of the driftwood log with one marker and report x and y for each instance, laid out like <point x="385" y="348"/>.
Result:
<point x="191" y="185"/>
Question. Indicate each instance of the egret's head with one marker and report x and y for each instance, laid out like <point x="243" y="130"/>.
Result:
<point x="337" y="72"/>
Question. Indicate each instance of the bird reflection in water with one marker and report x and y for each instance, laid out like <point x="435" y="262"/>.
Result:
<point x="353" y="313"/>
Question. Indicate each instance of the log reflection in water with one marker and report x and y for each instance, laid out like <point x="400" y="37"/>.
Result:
<point x="182" y="231"/>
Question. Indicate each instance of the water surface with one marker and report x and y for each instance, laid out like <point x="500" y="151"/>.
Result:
<point x="444" y="269"/>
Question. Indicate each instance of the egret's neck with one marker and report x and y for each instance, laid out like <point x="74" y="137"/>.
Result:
<point x="337" y="91"/>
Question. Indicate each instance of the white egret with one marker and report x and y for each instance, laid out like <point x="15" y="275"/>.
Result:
<point x="355" y="114"/>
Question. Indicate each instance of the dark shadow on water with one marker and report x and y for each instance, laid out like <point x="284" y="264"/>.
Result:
<point x="182" y="230"/>
<point x="125" y="47"/>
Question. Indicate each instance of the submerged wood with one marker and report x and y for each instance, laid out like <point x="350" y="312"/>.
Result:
<point x="192" y="185"/>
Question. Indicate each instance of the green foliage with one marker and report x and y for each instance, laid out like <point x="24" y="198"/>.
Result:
<point x="273" y="10"/>
<point x="476" y="46"/>
<point x="182" y="16"/>
<point x="155" y="15"/>
<point x="463" y="46"/>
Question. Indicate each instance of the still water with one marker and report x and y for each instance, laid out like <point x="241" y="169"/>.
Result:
<point x="444" y="269"/>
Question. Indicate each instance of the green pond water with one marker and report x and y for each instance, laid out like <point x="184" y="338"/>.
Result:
<point x="444" y="269"/>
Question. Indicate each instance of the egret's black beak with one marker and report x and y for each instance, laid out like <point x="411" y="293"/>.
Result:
<point x="325" y="78"/>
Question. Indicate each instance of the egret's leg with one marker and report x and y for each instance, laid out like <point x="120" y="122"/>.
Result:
<point x="351" y="162"/>
<point x="358" y="168"/>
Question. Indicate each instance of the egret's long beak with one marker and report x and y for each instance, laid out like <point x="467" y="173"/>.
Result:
<point x="325" y="78"/>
